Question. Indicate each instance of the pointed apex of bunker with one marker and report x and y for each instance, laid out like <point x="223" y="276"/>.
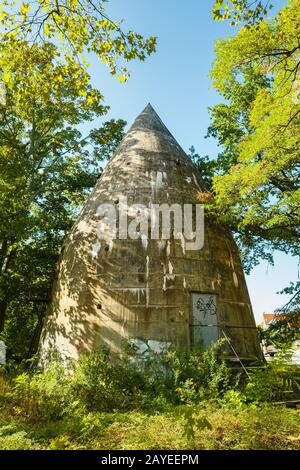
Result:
<point x="148" y="119"/>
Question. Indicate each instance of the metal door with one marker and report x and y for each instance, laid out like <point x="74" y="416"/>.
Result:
<point x="204" y="330"/>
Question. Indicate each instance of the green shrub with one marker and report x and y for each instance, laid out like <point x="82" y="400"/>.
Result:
<point x="197" y="375"/>
<point x="278" y="380"/>
<point x="104" y="382"/>
<point x="233" y="399"/>
<point x="44" y="394"/>
<point x="60" y="443"/>
<point x="13" y="438"/>
<point x="5" y="389"/>
<point x="101" y="381"/>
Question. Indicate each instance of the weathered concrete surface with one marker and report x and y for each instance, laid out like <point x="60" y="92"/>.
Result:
<point x="141" y="289"/>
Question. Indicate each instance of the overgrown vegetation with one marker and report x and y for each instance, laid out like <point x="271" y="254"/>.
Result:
<point x="178" y="400"/>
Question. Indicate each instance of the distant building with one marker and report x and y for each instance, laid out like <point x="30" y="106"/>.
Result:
<point x="270" y="350"/>
<point x="270" y="317"/>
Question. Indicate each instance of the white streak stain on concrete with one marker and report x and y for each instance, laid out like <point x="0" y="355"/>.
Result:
<point x="168" y="251"/>
<point x="137" y="291"/>
<point x="195" y="180"/>
<point x="159" y="180"/>
<point x="164" y="278"/>
<point x="161" y="245"/>
<point x="96" y="247"/>
<point x="144" y="239"/>
<point x="147" y="279"/>
<point x="235" y="279"/>
<point x="182" y="241"/>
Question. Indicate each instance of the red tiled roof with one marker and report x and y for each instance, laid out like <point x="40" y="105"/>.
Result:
<point x="269" y="317"/>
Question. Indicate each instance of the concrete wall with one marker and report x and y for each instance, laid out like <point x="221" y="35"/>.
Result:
<point x="110" y="290"/>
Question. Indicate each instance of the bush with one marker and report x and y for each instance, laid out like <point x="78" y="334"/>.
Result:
<point x="278" y="380"/>
<point x="104" y="382"/>
<point x="12" y="438"/>
<point x="101" y="381"/>
<point x="44" y="394"/>
<point x="197" y="376"/>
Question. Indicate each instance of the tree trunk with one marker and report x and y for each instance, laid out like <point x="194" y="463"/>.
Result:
<point x="33" y="347"/>
<point x="3" y="253"/>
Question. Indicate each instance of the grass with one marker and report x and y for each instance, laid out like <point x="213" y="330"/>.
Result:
<point x="199" y="404"/>
<point x="249" y="427"/>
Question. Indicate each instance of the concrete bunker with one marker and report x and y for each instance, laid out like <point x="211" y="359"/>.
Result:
<point x="154" y="292"/>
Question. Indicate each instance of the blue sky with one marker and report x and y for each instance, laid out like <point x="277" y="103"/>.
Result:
<point x="175" y="81"/>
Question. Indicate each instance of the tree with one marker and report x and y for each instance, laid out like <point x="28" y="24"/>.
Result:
<point x="258" y="193"/>
<point x="230" y="121"/>
<point x="78" y="27"/>
<point x="206" y="166"/>
<point x="47" y="169"/>
<point x="238" y="11"/>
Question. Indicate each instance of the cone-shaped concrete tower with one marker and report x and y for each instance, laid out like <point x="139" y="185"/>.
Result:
<point x="152" y="292"/>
